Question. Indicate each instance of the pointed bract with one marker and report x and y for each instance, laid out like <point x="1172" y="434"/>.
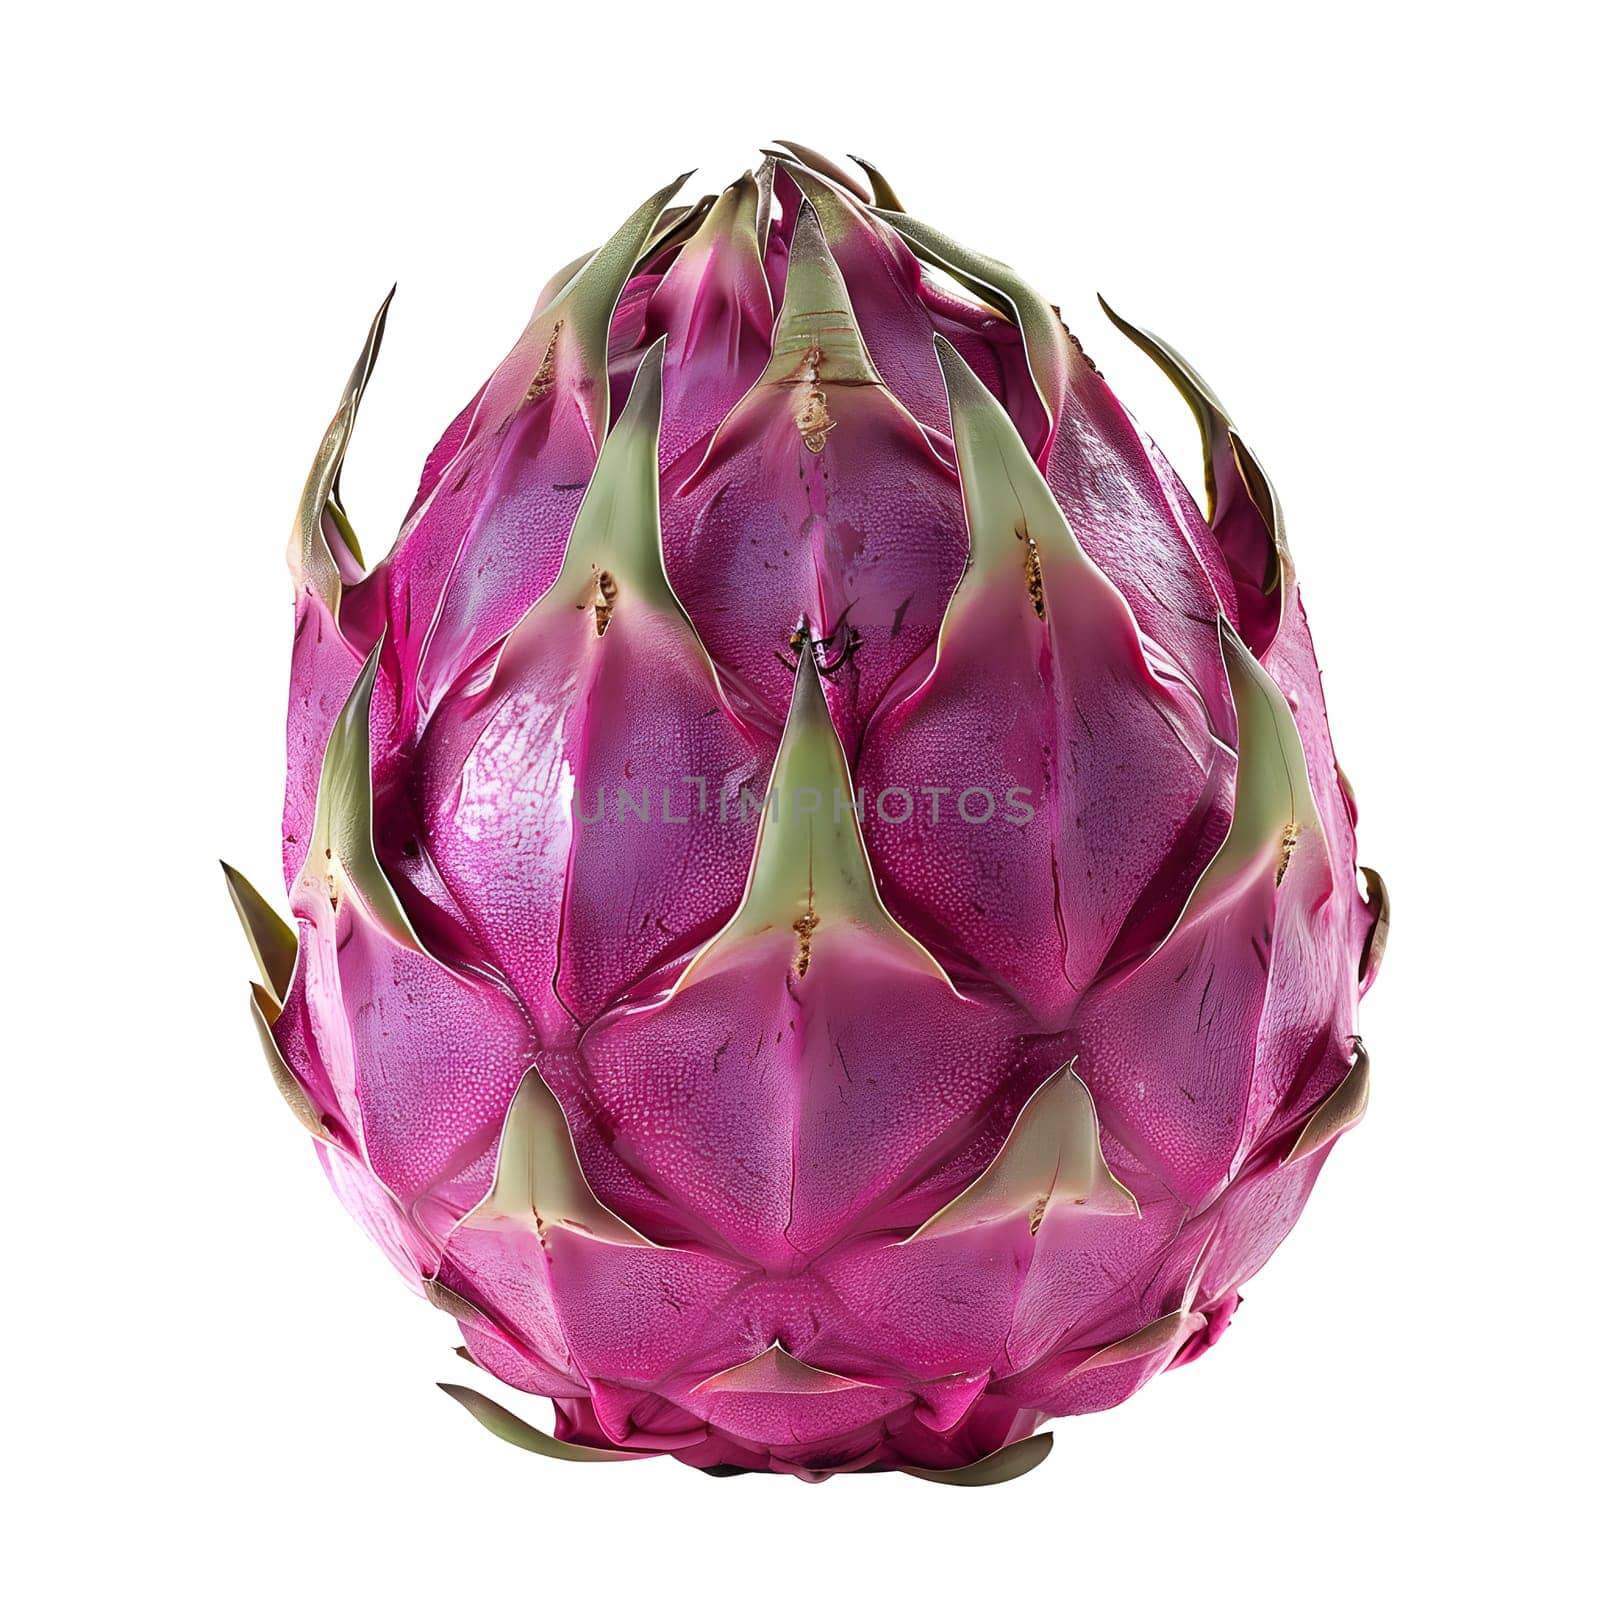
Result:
<point x="883" y="195"/>
<point x="1044" y="339"/>
<point x="1160" y="1339"/>
<point x="538" y="1183"/>
<point x="481" y="546"/>
<point x="1377" y="940"/>
<point x="810" y="872"/>
<point x="1051" y="1157"/>
<point x="1077" y="777"/>
<point x="272" y="941"/>
<point x="582" y="308"/>
<point x="816" y="339"/>
<point x="264" y="1012"/>
<point x="1273" y="808"/>
<point x="1341" y="1111"/>
<point x="341" y="855"/>
<point x="774" y="1371"/>
<point x="323" y="553"/>
<point x="1241" y="504"/>
<point x="1000" y="1466"/>
<point x="830" y="170"/>
<point x="507" y="1425"/>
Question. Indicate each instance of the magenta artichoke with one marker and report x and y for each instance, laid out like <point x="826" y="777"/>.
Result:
<point x="827" y="926"/>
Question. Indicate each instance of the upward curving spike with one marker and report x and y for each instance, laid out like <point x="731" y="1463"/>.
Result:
<point x="1044" y="339"/>
<point x="1216" y="427"/>
<point x="732" y="216"/>
<point x="341" y="855"/>
<point x="538" y="1183"/>
<point x="614" y="556"/>
<point x="810" y="869"/>
<point x="839" y="215"/>
<point x="617" y="532"/>
<point x="272" y="941"/>
<point x="323" y="552"/>
<point x="1009" y="505"/>
<point x="1273" y="805"/>
<point x="883" y="195"/>
<point x="1241" y="504"/>
<point x="1017" y="531"/>
<point x="715" y="297"/>
<point x="586" y="302"/>
<point x="831" y="170"/>
<point x="675" y="227"/>
<point x="563" y="350"/>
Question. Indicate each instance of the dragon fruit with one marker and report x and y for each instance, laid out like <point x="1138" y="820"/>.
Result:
<point x="826" y="925"/>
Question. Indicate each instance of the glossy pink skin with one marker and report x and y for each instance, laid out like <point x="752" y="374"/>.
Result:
<point x="782" y="1140"/>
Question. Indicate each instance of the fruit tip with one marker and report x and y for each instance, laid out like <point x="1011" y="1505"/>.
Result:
<point x="809" y="224"/>
<point x="884" y="197"/>
<point x="952" y="367"/>
<point x="1120" y="321"/>
<point x="646" y="386"/>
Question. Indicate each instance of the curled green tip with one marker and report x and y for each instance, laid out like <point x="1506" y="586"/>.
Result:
<point x="1001" y="1466"/>
<point x="509" y="1426"/>
<point x="272" y="941"/>
<point x="826" y="168"/>
<point x="883" y="194"/>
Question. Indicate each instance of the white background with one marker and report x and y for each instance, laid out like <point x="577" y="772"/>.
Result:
<point x="1370" y="227"/>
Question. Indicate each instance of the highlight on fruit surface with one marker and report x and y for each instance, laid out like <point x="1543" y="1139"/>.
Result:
<point x="826" y="929"/>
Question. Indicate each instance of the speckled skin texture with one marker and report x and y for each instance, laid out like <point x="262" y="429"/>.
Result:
<point x="910" y="496"/>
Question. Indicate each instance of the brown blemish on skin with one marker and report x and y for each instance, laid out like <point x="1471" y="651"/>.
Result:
<point x="811" y="414"/>
<point x="805" y="926"/>
<point x="544" y="379"/>
<point x="1286" y="845"/>
<point x="605" y="602"/>
<point x="1036" y="1213"/>
<point x="814" y="422"/>
<point x="1032" y="570"/>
